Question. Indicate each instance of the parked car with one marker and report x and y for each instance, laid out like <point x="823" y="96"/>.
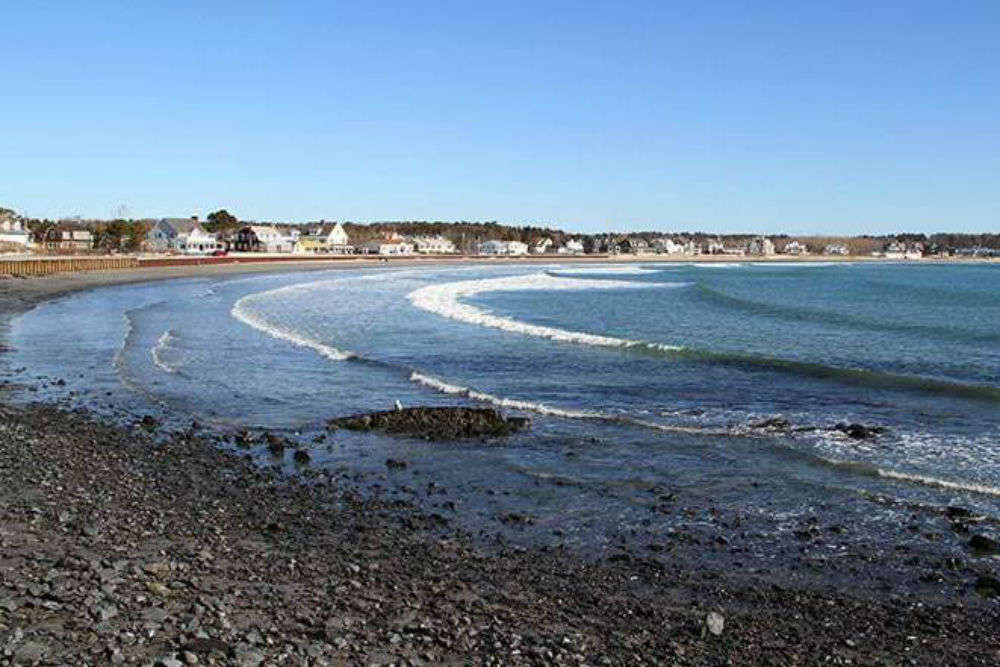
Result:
<point x="220" y="253"/>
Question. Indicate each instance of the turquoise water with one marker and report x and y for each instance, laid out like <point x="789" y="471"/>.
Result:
<point x="644" y="382"/>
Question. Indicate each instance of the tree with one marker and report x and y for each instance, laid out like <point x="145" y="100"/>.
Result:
<point x="221" y="222"/>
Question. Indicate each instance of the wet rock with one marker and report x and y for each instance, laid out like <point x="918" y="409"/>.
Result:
<point x="301" y="456"/>
<point x="433" y="423"/>
<point x="513" y="518"/>
<point x="30" y="652"/>
<point x="275" y="444"/>
<point x="149" y="422"/>
<point x="395" y="464"/>
<point x="956" y="512"/>
<point x="773" y="424"/>
<point x="859" y="431"/>
<point x="983" y="545"/>
<point x="988" y="587"/>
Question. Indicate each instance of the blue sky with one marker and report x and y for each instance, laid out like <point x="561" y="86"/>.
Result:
<point x="799" y="117"/>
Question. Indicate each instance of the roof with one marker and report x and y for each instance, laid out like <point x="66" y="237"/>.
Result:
<point x="181" y="225"/>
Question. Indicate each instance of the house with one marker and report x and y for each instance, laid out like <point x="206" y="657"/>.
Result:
<point x="433" y="245"/>
<point x="325" y="238"/>
<point x="635" y="245"/>
<point x="185" y="235"/>
<point x="265" y="238"/>
<point x="760" y="245"/>
<point x="541" y="246"/>
<point x="572" y="247"/>
<point x="12" y="231"/>
<point x="68" y="238"/>
<point x="795" y="248"/>
<point x="387" y="244"/>
<point x="668" y="246"/>
<point x="715" y="247"/>
<point x="495" y="247"/>
<point x="835" y="249"/>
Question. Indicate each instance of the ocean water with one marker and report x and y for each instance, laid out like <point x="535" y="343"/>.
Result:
<point x="643" y="382"/>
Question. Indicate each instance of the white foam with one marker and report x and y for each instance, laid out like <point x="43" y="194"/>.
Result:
<point x="718" y="265"/>
<point x="242" y="311"/>
<point x="499" y="401"/>
<point x="938" y="482"/>
<point x="162" y="343"/>
<point x="445" y="300"/>
<point x="542" y="408"/>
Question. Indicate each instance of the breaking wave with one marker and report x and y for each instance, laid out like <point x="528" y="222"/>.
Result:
<point x="243" y="312"/>
<point x="445" y="300"/>
<point x="543" y="409"/>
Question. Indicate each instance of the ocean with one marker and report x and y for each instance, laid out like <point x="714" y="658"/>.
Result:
<point x="647" y="385"/>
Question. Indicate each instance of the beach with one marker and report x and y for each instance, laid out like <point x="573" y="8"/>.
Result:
<point x="145" y="542"/>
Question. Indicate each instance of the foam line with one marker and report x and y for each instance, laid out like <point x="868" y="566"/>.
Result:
<point x="242" y="312"/>
<point x="445" y="300"/>
<point x="156" y="352"/>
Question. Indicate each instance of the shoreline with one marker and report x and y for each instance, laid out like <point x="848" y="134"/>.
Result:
<point x="181" y="537"/>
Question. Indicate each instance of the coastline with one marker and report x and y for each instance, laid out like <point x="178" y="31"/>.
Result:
<point x="181" y="536"/>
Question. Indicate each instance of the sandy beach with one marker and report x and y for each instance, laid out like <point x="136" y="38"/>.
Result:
<point x="141" y="544"/>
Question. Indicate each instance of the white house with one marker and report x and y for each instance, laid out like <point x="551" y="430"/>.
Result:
<point x="898" y="250"/>
<point x="495" y="247"/>
<point x="835" y="249"/>
<point x="572" y="247"/>
<point x="796" y="248"/>
<point x="12" y="231"/>
<point x="390" y="244"/>
<point x="542" y="246"/>
<point x="184" y="235"/>
<point x="760" y="245"/>
<point x="668" y="246"/>
<point x="433" y="245"/>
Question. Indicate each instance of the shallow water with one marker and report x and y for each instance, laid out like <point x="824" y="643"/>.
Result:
<point x="642" y="382"/>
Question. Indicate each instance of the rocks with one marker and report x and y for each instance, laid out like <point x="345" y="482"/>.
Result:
<point x="988" y="587"/>
<point x="773" y="424"/>
<point x="301" y="456"/>
<point x="983" y="546"/>
<point x="715" y="623"/>
<point x="149" y="422"/>
<point x="275" y="444"/>
<point x="395" y="464"/>
<point x="203" y="558"/>
<point x="860" y="431"/>
<point x="434" y="423"/>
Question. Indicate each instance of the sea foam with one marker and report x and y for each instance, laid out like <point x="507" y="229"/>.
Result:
<point x="445" y="299"/>
<point x="162" y="343"/>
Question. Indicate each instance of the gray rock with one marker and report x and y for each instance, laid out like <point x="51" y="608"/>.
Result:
<point x="169" y="661"/>
<point x="715" y="623"/>
<point x="30" y="652"/>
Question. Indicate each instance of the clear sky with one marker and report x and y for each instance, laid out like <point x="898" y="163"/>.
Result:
<point x="801" y="117"/>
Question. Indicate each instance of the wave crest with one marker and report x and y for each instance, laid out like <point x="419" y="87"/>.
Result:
<point x="445" y="300"/>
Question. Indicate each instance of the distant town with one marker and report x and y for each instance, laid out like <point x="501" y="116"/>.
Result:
<point x="221" y="233"/>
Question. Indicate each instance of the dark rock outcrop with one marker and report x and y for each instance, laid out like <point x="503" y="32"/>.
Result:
<point x="434" y="423"/>
<point x="984" y="545"/>
<point x="859" y="431"/>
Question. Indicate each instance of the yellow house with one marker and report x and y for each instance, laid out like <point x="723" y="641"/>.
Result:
<point x="313" y="244"/>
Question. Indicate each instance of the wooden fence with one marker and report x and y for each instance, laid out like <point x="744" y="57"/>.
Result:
<point x="48" y="266"/>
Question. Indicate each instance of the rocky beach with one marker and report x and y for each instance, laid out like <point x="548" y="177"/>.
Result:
<point x="153" y="545"/>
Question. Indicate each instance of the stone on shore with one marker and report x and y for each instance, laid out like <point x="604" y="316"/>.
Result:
<point x="434" y="423"/>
